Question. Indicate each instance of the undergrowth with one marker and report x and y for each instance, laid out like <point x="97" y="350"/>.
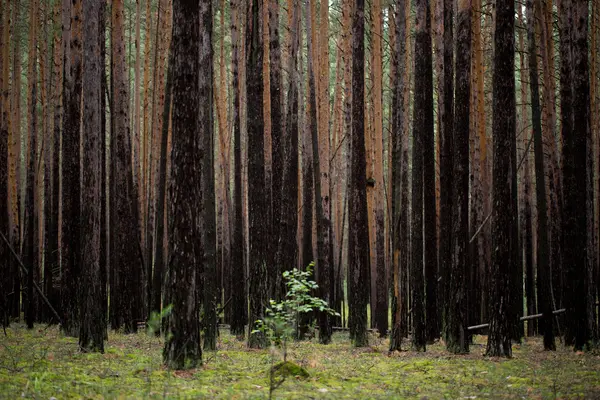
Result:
<point x="42" y="363"/>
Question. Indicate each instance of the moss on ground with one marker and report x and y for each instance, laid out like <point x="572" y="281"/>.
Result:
<point x="42" y="363"/>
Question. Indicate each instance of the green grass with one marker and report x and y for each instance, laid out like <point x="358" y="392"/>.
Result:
<point x="42" y="363"/>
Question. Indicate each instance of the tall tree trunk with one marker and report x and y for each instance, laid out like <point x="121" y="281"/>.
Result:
<point x="447" y="161"/>
<point x="398" y="207"/>
<point x="575" y="143"/>
<point x="277" y="148"/>
<point x="12" y="107"/>
<point x="423" y="128"/>
<point x="4" y="154"/>
<point x="239" y="304"/>
<point x="381" y="292"/>
<point x="504" y="109"/>
<point x="206" y="146"/>
<point x="256" y="171"/>
<point x="71" y="174"/>
<point x="126" y="263"/>
<point x="31" y="254"/>
<point x="161" y="253"/>
<point x="288" y="248"/>
<point x="136" y="133"/>
<point x="358" y="239"/>
<point x="92" y="325"/>
<point x="457" y="317"/>
<point x="543" y="263"/>
<point x="321" y="197"/>
<point x="182" y="347"/>
<point x="308" y="254"/>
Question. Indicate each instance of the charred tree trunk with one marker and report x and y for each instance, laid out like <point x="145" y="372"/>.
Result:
<point x="575" y="142"/>
<point x="447" y="162"/>
<point x="456" y="317"/>
<point x="256" y="171"/>
<point x="503" y="128"/>
<point x="93" y="323"/>
<point x="182" y="348"/>
<point x="423" y="127"/>
<point x="71" y="174"/>
<point x="358" y="237"/>
<point x="206" y="145"/>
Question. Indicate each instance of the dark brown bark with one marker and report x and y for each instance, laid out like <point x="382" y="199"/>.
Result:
<point x="287" y="253"/>
<point x="446" y="161"/>
<point x="239" y="303"/>
<point x="208" y="223"/>
<point x="277" y="129"/>
<point x="430" y="255"/>
<point x="543" y="262"/>
<point x="256" y="171"/>
<point x="71" y="172"/>
<point x="323" y="259"/>
<point x="398" y="207"/>
<point x="4" y="254"/>
<point x="358" y="237"/>
<point x="182" y="348"/>
<point x="92" y="325"/>
<point x="126" y="261"/>
<point x="30" y="249"/>
<point x="456" y="317"/>
<point x="161" y="251"/>
<point x="423" y="126"/>
<point x="14" y="299"/>
<point x="575" y="142"/>
<point x="503" y="129"/>
<point x="104" y="223"/>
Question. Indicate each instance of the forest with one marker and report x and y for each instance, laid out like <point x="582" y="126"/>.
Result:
<point x="192" y="190"/>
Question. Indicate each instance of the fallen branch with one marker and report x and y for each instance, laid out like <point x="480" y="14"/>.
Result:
<point x="525" y="318"/>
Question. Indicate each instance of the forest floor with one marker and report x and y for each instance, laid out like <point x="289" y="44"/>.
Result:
<point x="44" y="364"/>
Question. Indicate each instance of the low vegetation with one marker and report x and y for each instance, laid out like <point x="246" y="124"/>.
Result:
<point x="42" y="363"/>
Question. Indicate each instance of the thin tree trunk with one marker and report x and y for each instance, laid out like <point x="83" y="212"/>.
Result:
<point x="457" y="317"/>
<point x="543" y="263"/>
<point x="31" y="255"/>
<point x="206" y="146"/>
<point x="4" y="153"/>
<point x="239" y="304"/>
<point x="398" y="208"/>
<point x="12" y="107"/>
<point x="447" y="161"/>
<point x="381" y="293"/>
<point x="126" y="260"/>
